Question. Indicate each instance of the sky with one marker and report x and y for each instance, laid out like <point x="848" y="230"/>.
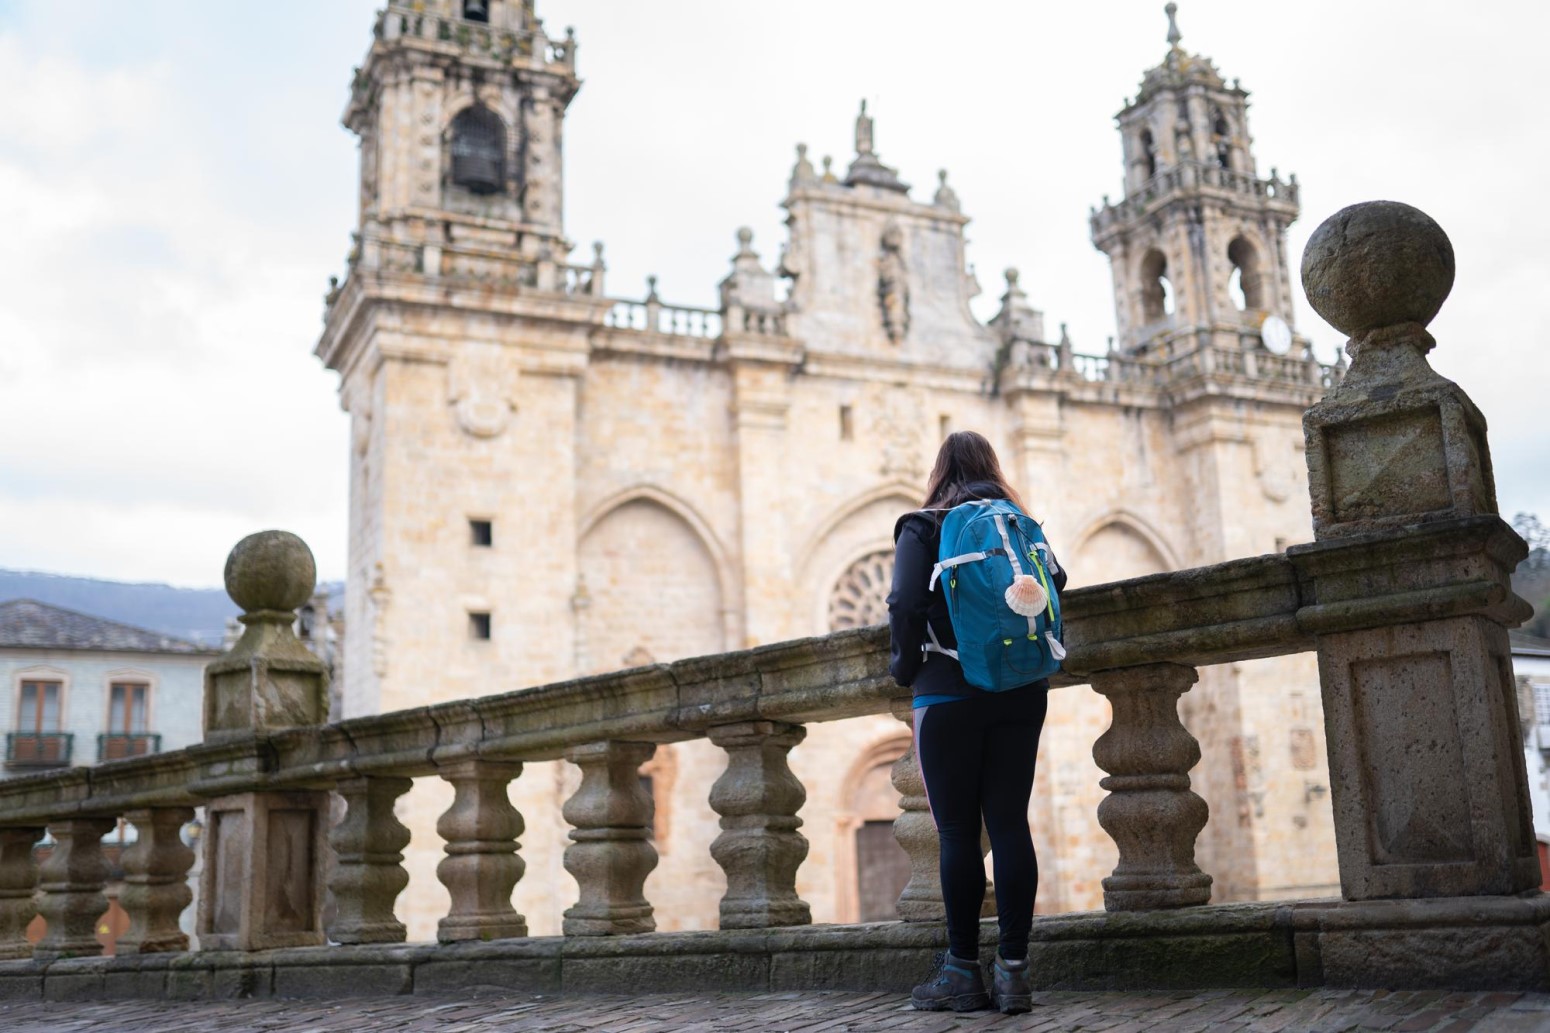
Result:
<point x="175" y="191"/>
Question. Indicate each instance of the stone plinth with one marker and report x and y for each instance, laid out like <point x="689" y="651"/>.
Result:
<point x="1426" y="763"/>
<point x="263" y="878"/>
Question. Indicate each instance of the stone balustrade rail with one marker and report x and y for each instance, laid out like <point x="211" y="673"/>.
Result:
<point x="1405" y="595"/>
<point x="1187" y="175"/>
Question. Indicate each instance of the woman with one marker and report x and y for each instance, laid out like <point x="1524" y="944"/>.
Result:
<point x="976" y="749"/>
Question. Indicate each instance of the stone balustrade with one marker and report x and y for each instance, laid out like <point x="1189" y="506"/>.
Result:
<point x="1404" y="595"/>
<point x="1190" y="175"/>
<point x="504" y="45"/>
<point x="652" y="316"/>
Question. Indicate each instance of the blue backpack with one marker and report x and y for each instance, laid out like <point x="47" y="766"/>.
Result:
<point x="1000" y="595"/>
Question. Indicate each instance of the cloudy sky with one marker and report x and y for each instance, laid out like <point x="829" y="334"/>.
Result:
<point x="175" y="190"/>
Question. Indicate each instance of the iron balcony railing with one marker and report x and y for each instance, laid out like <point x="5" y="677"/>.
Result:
<point x="118" y="745"/>
<point x="38" y="749"/>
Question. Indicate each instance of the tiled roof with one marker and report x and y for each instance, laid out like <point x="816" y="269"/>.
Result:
<point x="1523" y="642"/>
<point x="27" y="624"/>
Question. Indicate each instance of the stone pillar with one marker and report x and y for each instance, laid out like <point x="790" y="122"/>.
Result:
<point x="18" y="880"/>
<point x="70" y="883"/>
<point x="1426" y="761"/>
<point x="1150" y="812"/>
<point x="611" y="852"/>
<point x="915" y="830"/>
<point x="759" y="847"/>
<point x="262" y="884"/>
<point x="156" y="886"/>
<point x="368" y="870"/>
<point x="482" y="865"/>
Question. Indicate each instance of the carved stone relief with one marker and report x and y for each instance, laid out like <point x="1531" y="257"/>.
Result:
<point x="482" y="389"/>
<point x="897" y="428"/>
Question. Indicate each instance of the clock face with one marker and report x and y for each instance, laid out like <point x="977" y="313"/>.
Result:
<point x="1276" y="335"/>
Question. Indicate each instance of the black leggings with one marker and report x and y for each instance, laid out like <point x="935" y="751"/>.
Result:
<point x="977" y="757"/>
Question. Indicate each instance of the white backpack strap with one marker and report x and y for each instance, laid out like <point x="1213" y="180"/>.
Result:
<point x="952" y="561"/>
<point x="935" y="645"/>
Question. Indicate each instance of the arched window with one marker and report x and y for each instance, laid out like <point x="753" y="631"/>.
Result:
<point x="476" y="10"/>
<point x="479" y="151"/>
<point x="1246" y="285"/>
<point x="1156" y="291"/>
<point x="1149" y="152"/>
<point x="1221" y="136"/>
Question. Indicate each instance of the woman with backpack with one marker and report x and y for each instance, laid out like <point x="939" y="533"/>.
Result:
<point x="976" y="748"/>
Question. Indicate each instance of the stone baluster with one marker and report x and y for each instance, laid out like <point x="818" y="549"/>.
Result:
<point x="70" y="889"/>
<point x="482" y="865"/>
<point x="368" y="870"/>
<point x="915" y="831"/>
<point x="156" y="886"/>
<point x="759" y="847"/>
<point x="611" y="853"/>
<point x="1426" y="764"/>
<point x="18" y="881"/>
<point x="1150" y="812"/>
<point x="264" y="852"/>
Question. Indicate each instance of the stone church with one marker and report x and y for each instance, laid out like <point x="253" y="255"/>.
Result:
<point x="549" y="482"/>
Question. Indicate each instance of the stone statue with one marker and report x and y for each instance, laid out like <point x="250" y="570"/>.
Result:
<point x="893" y="289"/>
<point x="863" y="131"/>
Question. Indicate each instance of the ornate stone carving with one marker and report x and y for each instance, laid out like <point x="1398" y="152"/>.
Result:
<point x="860" y="597"/>
<point x="611" y="852"/>
<point x="482" y="866"/>
<point x="482" y="388"/>
<point x="893" y="287"/>
<point x="368" y="870"/>
<point x="1150" y="811"/>
<point x="70" y="884"/>
<point x="915" y="830"/>
<point x="156" y="889"/>
<point x="18" y="880"/>
<point x="759" y="847"/>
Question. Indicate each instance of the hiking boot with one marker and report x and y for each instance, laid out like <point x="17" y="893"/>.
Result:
<point x="953" y="983"/>
<point x="1009" y="986"/>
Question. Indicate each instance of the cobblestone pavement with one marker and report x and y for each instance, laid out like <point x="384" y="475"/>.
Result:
<point x="1275" y="1011"/>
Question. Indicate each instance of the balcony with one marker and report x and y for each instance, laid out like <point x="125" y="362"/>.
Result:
<point x="38" y="749"/>
<point x="120" y="745"/>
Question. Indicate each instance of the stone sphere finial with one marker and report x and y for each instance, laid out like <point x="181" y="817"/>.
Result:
<point x="270" y="570"/>
<point x="744" y="236"/>
<point x="1376" y="264"/>
<point x="1012" y="276"/>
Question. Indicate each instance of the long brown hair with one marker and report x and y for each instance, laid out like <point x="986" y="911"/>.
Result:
<point x="966" y="458"/>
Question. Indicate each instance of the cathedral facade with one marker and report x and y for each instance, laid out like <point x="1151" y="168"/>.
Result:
<point x="549" y="482"/>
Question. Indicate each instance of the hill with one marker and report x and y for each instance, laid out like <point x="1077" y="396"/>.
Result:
<point x="196" y="614"/>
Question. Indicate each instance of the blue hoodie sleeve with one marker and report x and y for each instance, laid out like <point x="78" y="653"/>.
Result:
<point x="908" y="601"/>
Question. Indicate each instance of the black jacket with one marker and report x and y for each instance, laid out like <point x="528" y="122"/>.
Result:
<point x="916" y="539"/>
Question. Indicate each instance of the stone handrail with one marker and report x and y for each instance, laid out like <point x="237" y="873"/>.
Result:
<point x="1405" y="595"/>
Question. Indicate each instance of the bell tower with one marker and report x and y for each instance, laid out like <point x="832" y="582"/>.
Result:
<point x="460" y="333"/>
<point x="459" y="107"/>
<point x="1198" y="245"/>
